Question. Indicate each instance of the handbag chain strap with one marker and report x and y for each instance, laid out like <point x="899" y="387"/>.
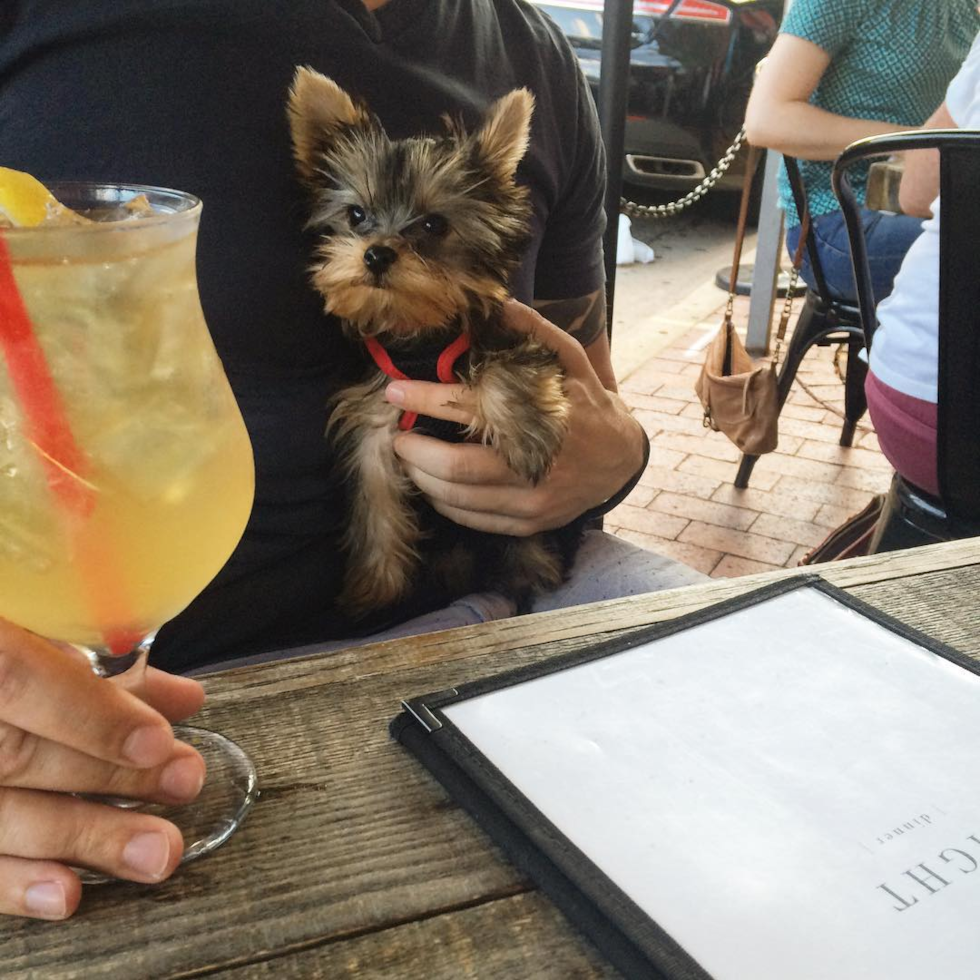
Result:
<point x="794" y="278"/>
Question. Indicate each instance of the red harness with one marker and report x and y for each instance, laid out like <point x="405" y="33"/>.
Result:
<point x="445" y="362"/>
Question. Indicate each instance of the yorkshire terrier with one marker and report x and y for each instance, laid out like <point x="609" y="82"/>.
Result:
<point x="419" y="239"/>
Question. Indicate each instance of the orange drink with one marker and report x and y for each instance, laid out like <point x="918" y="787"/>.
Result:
<point x="117" y="513"/>
<point x="126" y="475"/>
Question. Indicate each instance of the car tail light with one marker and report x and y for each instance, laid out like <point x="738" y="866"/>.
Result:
<point x="700" y="10"/>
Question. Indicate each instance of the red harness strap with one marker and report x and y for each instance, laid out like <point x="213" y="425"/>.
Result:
<point x="444" y="368"/>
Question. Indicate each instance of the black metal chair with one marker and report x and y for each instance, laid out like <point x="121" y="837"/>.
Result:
<point x="823" y="320"/>
<point x="911" y="516"/>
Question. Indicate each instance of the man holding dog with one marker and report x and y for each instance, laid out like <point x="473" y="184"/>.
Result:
<point x="192" y="95"/>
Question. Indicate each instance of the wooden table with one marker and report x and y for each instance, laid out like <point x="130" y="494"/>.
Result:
<point x="354" y="863"/>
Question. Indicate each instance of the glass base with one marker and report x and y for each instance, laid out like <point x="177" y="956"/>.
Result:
<point x="230" y="789"/>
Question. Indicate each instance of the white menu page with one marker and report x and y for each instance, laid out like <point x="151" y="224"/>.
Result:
<point x="790" y="791"/>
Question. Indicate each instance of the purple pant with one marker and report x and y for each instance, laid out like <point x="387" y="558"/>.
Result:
<point x="906" y="429"/>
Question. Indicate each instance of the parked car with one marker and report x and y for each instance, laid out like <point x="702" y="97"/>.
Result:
<point x="690" y="78"/>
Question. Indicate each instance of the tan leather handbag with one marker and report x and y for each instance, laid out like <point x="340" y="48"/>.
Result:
<point x="739" y="395"/>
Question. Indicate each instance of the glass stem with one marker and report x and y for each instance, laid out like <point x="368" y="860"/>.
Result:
<point x="126" y="669"/>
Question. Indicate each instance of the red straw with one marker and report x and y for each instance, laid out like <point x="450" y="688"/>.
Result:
<point x="47" y="424"/>
<point x="50" y="432"/>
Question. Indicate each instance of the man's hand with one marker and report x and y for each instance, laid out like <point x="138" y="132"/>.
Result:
<point x="473" y="486"/>
<point x="64" y="730"/>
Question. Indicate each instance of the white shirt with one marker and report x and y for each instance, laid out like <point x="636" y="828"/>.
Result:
<point x="905" y="351"/>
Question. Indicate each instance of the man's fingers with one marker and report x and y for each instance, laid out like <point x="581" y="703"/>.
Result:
<point x="49" y="693"/>
<point x="38" y="889"/>
<point x="28" y="762"/>
<point x="462" y="496"/>
<point x="489" y="523"/>
<point x="451" y="402"/>
<point x="455" y="402"/>
<point x="510" y="502"/>
<point x="467" y="463"/>
<point x="122" y="843"/>
<point x="175" y="697"/>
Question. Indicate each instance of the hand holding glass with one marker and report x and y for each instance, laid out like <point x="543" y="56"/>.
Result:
<point x="126" y="475"/>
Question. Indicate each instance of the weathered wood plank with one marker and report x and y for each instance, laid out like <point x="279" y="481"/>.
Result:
<point x="351" y="837"/>
<point x="588" y="621"/>
<point x="945" y="605"/>
<point x="510" y="939"/>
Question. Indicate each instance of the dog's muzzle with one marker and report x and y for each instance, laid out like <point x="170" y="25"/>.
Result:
<point x="379" y="259"/>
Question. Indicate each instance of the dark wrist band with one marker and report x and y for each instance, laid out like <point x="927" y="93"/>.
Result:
<point x="624" y="491"/>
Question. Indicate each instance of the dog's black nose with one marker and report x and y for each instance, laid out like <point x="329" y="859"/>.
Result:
<point x="379" y="258"/>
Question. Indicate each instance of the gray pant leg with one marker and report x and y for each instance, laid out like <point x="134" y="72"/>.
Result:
<point x="480" y="607"/>
<point x="606" y="567"/>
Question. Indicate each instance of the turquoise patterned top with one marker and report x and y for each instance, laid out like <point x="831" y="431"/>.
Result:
<point x="890" y="60"/>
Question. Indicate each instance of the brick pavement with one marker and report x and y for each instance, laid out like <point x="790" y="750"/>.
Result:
<point x="686" y="505"/>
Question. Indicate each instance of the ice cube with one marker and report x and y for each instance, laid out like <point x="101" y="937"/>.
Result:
<point x="28" y="530"/>
<point x="138" y="207"/>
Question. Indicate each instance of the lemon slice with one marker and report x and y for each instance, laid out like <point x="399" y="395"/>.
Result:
<point x="25" y="201"/>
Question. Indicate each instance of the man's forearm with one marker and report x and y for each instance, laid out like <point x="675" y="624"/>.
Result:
<point x="584" y="318"/>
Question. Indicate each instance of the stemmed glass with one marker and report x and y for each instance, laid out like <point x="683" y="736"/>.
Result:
<point x="126" y="474"/>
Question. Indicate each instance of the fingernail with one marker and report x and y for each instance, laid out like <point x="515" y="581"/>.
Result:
<point x="47" y="899"/>
<point x="148" y="746"/>
<point x="183" y="778"/>
<point x="395" y="393"/>
<point x="148" y="854"/>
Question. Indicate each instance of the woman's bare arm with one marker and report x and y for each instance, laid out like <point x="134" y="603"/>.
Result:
<point x="779" y="115"/>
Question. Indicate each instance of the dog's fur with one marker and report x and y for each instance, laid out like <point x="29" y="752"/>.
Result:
<point x="449" y="223"/>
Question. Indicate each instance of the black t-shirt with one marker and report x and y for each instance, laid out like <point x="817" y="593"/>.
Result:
<point x="191" y="94"/>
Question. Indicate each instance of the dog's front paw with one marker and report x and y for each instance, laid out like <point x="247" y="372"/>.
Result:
<point x="532" y="444"/>
<point x="523" y="414"/>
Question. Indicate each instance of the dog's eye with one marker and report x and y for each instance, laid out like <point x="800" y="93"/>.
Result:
<point x="435" y="224"/>
<point x="355" y="215"/>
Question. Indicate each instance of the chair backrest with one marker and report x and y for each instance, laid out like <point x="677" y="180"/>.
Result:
<point x="958" y="426"/>
<point x="798" y="191"/>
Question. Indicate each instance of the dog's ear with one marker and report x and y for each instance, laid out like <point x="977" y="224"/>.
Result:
<point x="318" y="109"/>
<point x="502" y="140"/>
